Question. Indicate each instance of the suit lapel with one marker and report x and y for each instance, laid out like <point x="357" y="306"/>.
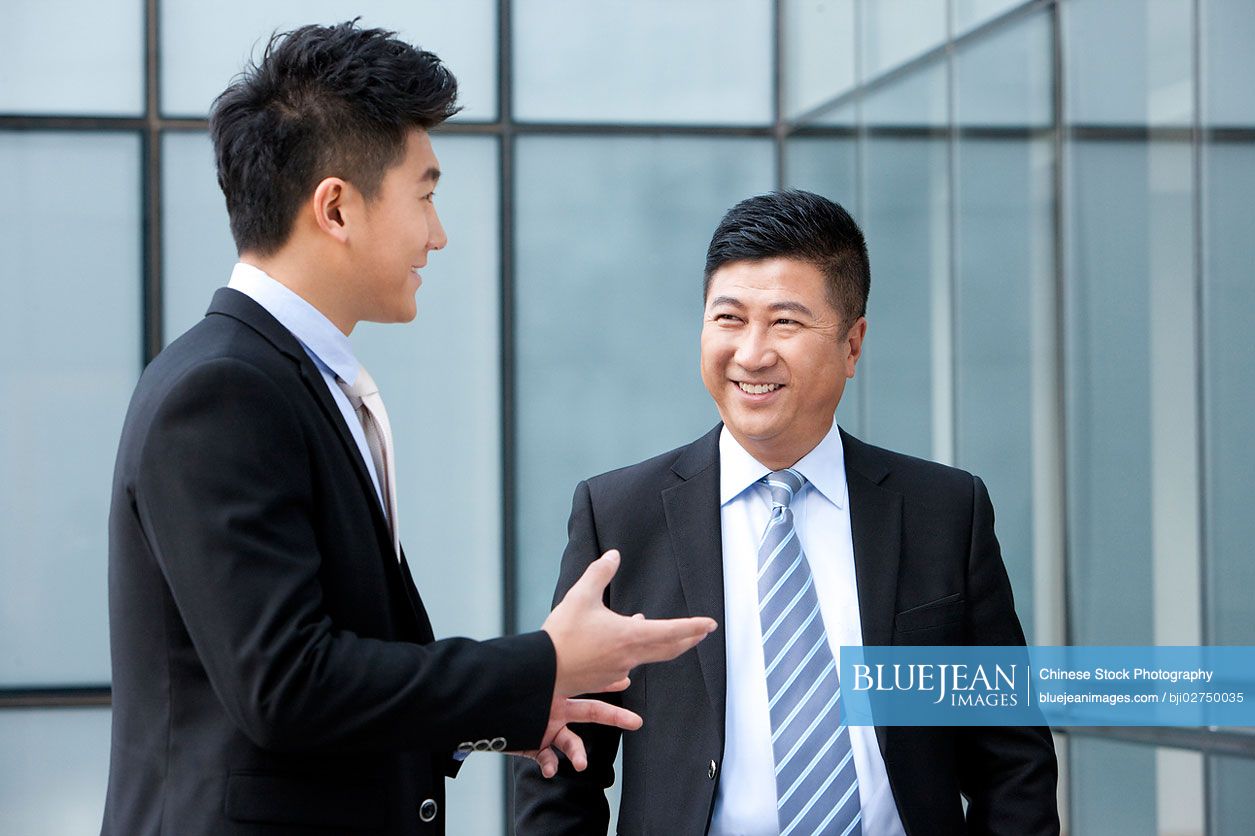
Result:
<point x="237" y="305"/>
<point x="876" y="531"/>
<point x="693" y="522"/>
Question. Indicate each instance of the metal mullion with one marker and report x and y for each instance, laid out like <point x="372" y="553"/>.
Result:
<point x="503" y="129"/>
<point x="152" y="326"/>
<point x="60" y="697"/>
<point x="779" y="128"/>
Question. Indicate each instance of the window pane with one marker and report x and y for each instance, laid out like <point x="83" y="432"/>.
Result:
<point x="197" y="251"/>
<point x="203" y="45"/>
<point x="1129" y="400"/>
<point x="609" y="296"/>
<point x="54" y="770"/>
<point x="1004" y="246"/>
<point x="968" y="14"/>
<point x="818" y="51"/>
<point x="1229" y="392"/>
<point x="828" y="166"/>
<point x="440" y="378"/>
<point x="1004" y="277"/>
<point x="1231" y="807"/>
<point x="906" y="218"/>
<point x="1129" y="789"/>
<point x="916" y="101"/>
<point x="895" y="31"/>
<point x="1129" y="62"/>
<point x="1004" y="79"/>
<point x="73" y="57"/>
<point x="1228" y="32"/>
<point x="70" y="336"/>
<point x="700" y="61"/>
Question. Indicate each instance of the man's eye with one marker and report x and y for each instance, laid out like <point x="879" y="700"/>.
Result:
<point x="430" y="197"/>
<point x="787" y="322"/>
<point x="726" y="317"/>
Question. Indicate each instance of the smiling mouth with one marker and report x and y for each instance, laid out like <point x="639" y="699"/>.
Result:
<point x="759" y="388"/>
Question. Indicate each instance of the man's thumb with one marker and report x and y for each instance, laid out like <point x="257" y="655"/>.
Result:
<point x="598" y="574"/>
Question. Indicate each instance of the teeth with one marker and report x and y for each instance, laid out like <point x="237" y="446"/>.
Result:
<point x="758" y="389"/>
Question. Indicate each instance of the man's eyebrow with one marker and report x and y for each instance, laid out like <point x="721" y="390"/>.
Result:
<point x="726" y="300"/>
<point x="795" y="307"/>
<point x="432" y="174"/>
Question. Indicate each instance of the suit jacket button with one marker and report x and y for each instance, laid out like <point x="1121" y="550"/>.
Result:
<point x="711" y="770"/>
<point x="427" y="810"/>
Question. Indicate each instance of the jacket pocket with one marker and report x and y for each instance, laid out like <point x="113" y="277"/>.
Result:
<point x="309" y="800"/>
<point x="938" y="613"/>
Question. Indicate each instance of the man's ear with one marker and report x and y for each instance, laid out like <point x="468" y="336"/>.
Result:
<point x="854" y="338"/>
<point x="331" y="197"/>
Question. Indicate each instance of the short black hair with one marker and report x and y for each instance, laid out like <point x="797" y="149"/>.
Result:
<point x="324" y="101"/>
<point x="801" y="225"/>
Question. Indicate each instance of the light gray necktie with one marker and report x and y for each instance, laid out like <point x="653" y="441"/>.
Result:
<point x="363" y="394"/>
<point x="816" y="784"/>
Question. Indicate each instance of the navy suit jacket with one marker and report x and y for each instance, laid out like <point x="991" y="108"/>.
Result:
<point x="929" y="572"/>
<point x="274" y="669"/>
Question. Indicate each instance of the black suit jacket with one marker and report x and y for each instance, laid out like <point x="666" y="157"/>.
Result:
<point x="274" y="669"/>
<point x="929" y="572"/>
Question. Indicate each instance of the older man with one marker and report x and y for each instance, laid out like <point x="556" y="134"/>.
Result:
<point x="799" y="538"/>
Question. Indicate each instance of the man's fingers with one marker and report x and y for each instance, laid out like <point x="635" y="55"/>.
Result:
<point x="570" y="744"/>
<point x="592" y="584"/>
<point x="662" y="639"/>
<point x="603" y="713"/>
<point x="548" y="761"/>
<point x="622" y="685"/>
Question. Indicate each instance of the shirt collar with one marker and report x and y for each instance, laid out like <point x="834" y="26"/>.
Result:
<point x="308" y="324"/>
<point x="823" y="467"/>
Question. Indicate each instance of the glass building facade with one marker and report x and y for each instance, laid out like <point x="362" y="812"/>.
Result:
<point x="1057" y="202"/>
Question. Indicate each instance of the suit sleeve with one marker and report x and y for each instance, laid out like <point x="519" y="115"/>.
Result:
<point x="1008" y="774"/>
<point x="225" y="498"/>
<point x="571" y="803"/>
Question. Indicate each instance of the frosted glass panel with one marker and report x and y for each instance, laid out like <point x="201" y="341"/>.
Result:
<point x="1111" y="788"/>
<point x="70" y="339"/>
<point x="828" y="166"/>
<point x="198" y="252"/>
<point x="609" y="294"/>
<point x="1003" y="249"/>
<point x="1128" y="62"/>
<point x="919" y="99"/>
<point x="203" y="45"/>
<point x="1229" y="390"/>
<point x="1228" y="62"/>
<point x="1005" y="79"/>
<point x="72" y="57"/>
<point x="905" y="218"/>
<point x="700" y="61"/>
<point x="818" y="51"/>
<point x="895" y="31"/>
<point x="1231" y="807"/>
<point x="1131" y="249"/>
<point x="54" y="770"/>
<point x="968" y="14"/>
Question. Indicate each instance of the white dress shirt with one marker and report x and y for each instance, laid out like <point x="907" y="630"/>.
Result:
<point x="325" y="344"/>
<point x="746" y="802"/>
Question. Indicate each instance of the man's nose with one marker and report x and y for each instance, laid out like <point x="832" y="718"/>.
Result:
<point x="436" y="238"/>
<point x="755" y="351"/>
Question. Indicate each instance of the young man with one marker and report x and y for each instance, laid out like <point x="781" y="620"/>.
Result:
<point x="274" y="669"/>
<point x="800" y="539"/>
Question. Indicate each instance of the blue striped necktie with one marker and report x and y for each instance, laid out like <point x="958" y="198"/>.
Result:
<point x="816" y="784"/>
